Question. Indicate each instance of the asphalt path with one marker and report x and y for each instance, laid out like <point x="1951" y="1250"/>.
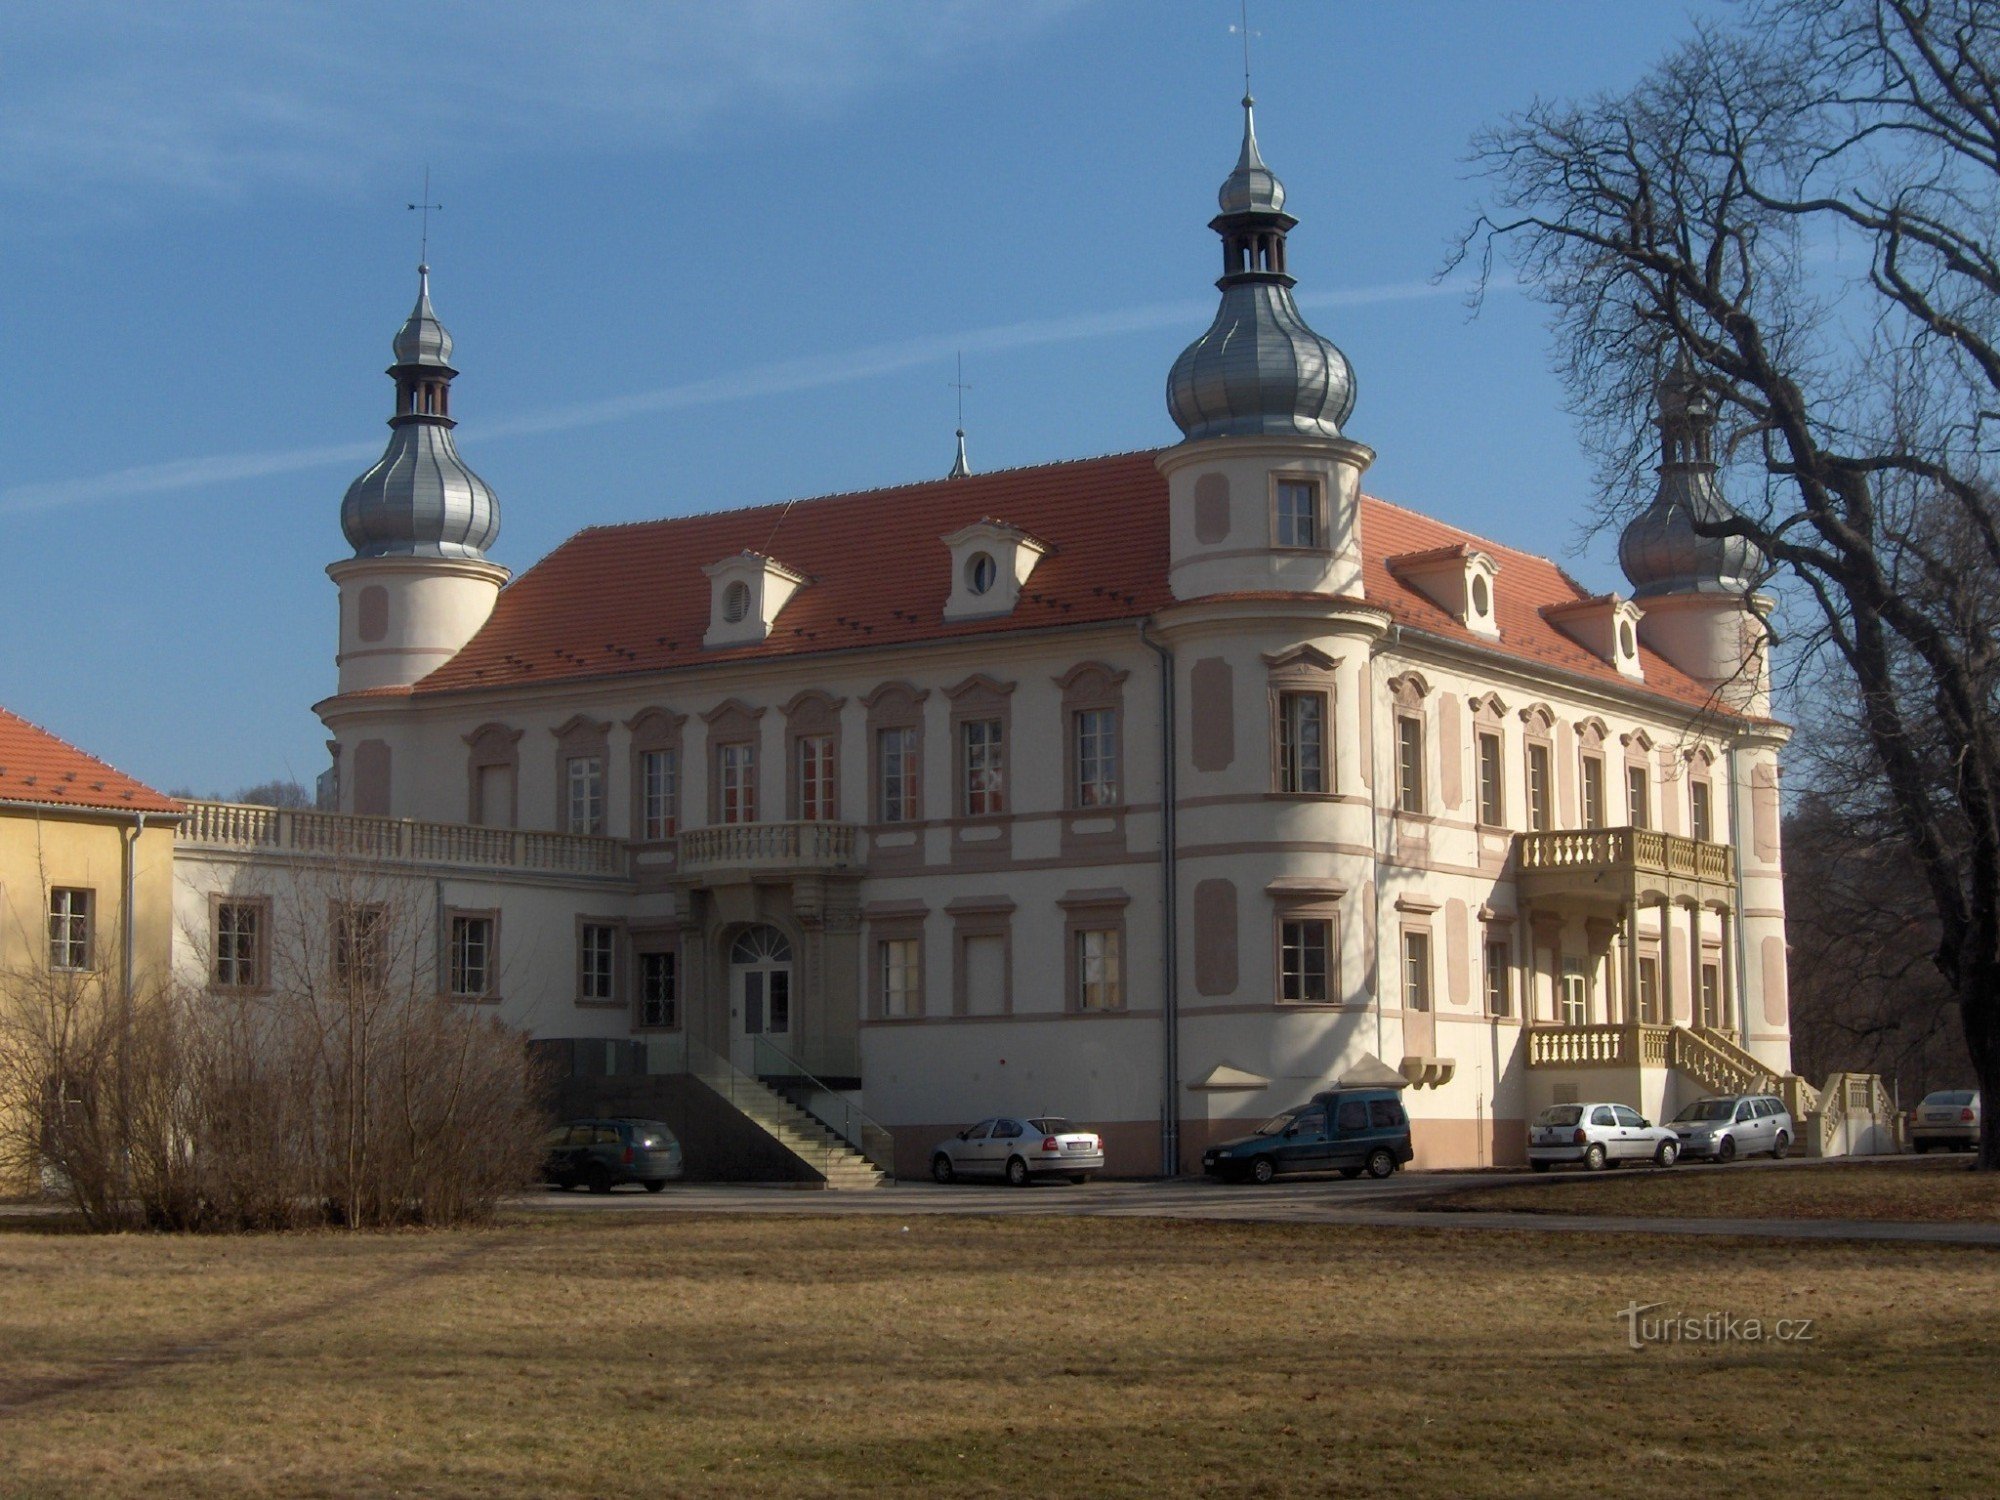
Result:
<point x="1394" y="1204"/>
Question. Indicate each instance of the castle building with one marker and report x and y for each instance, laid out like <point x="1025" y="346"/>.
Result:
<point x="1156" y="790"/>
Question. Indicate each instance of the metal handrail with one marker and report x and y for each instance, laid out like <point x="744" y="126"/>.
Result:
<point x="866" y="1135"/>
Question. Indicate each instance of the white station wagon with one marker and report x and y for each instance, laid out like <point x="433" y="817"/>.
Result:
<point x="1598" y="1135"/>
<point x="1019" y="1148"/>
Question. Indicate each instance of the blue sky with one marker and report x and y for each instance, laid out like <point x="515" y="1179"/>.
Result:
<point x="694" y="256"/>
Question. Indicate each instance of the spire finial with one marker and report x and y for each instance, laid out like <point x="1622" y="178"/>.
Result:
<point x="961" y="466"/>
<point x="1243" y="30"/>
<point x="424" y="241"/>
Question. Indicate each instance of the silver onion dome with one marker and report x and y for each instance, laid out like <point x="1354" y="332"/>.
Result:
<point x="1259" y="369"/>
<point x="420" y="499"/>
<point x="1660" y="550"/>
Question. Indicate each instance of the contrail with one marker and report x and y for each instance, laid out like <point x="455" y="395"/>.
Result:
<point x="778" y="378"/>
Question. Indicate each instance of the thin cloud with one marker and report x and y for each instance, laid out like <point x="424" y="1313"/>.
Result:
<point x="758" y="381"/>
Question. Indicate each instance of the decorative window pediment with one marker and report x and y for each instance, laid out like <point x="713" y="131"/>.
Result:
<point x="747" y="592"/>
<point x="990" y="564"/>
<point x="1459" y="580"/>
<point x="1607" y="626"/>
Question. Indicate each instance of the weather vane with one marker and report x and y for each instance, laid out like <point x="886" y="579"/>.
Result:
<point x="425" y="207"/>
<point x="961" y="387"/>
<point x="1243" y="29"/>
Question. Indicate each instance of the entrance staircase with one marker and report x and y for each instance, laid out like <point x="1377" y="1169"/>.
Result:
<point x="841" y="1158"/>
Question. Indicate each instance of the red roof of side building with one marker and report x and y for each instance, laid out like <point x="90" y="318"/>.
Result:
<point x="35" y="766"/>
<point x="616" y="600"/>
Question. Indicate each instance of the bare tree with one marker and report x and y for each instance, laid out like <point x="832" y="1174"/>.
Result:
<point x="1710" y="214"/>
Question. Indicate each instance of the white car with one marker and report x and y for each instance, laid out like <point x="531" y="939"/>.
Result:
<point x="1732" y="1125"/>
<point x="1948" y="1118"/>
<point x="1598" y="1135"/>
<point x="1019" y="1148"/>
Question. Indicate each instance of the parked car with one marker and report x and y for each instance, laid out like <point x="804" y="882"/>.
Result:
<point x="601" y="1154"/>
<point x="1019" y="1148"/>
<point x="1948" y="1118"/>
<point x="1598" y="1135"/>
<point x="1733" y="1125"/>
<point x="1349" y="1131"/>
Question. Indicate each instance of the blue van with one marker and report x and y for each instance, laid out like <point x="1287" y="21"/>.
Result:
<point x="1349" y="1131"/>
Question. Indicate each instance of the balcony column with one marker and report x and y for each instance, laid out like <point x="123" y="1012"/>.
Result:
<point x="1630" y="953"/>
<point x="1694" y="964"/>
<point x="1669" y="1006"/>
<point x="1725" y="967"/>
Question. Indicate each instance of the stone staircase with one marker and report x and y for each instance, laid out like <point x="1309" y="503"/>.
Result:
<point x="836" y="1163"/>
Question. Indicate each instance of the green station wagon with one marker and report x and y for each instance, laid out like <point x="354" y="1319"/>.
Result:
<point x="1349" y="1131"/>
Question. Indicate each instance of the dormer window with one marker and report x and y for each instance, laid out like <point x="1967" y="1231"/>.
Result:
<point x="1458" y="580"/>
<point x="1607" y="626"/>
<point x="991" y="561"/>
<point x="748" y="591"/>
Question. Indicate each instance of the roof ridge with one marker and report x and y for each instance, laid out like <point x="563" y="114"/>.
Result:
<point x="1469" y="535"/>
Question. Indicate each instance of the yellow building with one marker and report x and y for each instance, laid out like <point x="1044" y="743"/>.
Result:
<point x="81" y="845"/>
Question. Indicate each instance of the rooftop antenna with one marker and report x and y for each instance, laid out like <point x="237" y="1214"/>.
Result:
<point x="961" y="466"/>
<point x="424" y="250"/>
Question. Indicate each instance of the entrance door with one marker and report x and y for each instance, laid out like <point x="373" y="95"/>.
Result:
<point x="760" y="994"/>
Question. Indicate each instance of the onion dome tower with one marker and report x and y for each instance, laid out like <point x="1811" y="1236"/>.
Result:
<point x="1699" y="592"/>
<point x="1264" y="482"/>
<point x="419" y="521"/>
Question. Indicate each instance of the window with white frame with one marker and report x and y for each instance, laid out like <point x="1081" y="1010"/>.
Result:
<point x="659" y="989"/>
<point x="1096" y="757"/>
<point x="983" y="759"/>
<point x="736" y="781"/>
<point x="1416" y="970"/>
<point x="1297" y="503"/>
<point x="1649" y="990"/>
<point x="1305" y="960"/>
<point x="659" y="793"/>
<point x="1492" y="793"/>
<point x="1702" y="826"/>
<point x="1499" y="978"/>
<point x="1540" y="816"/>
<point x="1409" y="763"/>
<point x="896" y="768"/>
<point x="239" y="945"/>
<point x="1638" y="796"/>
<point x="70" y="910"/>
<point x="596" y="962"/>
<point x="816" y="781"/>
<point x="471" y="955"/>
<point x="584" y="778"/>
<point x="1593" y="791"/>
<point x="1098" y="971"/>
<point x="900" y="975"/>
<point x="1302" y="742"/>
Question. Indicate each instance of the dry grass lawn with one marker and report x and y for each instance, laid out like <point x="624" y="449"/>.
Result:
<point x="1915" y="1189"/>
<point x="612" y="1354"/>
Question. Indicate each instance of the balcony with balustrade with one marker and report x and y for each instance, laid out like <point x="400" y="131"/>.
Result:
<point x="1620" y="866"/>
<point x="728" y="852"/>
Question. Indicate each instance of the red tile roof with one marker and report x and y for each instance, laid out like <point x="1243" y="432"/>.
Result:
<point x="617" y="600"/>
<point x="35" y="766"/>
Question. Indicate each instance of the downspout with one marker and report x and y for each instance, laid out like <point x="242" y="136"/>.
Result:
<point x="1376" y="834"/>
<point x="1736" y="906"/>
<point x="1170" y="1021"/>
<point x="127" y="964"/>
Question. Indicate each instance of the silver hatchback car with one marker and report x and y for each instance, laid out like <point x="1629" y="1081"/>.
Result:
<point x="1733" y="1125"/>
<point x="1948" y="1118"/>
<point x="1019" y="1148"/>
<point x="1598" y="1135"/>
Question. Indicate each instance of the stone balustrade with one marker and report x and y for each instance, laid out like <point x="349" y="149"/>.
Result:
<point x="775" y="848"/>
<point x="227" y="827"/>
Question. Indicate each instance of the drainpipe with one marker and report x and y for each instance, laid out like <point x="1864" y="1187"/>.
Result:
<point x="1376" y="834"/>
<point x="1736" y="906"/>
<point x="127" y="964"/>
<point x="1170" y="1011"/>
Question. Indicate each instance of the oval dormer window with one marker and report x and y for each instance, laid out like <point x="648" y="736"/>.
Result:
<point x="980" y="571"/>
<point x="736" y="602"/>
<point x="1481" y="601"/>
<point x="1626" y="644"/>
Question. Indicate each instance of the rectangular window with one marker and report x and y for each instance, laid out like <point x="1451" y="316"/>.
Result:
<point x="1698" y="797"/>
<point x="239" y="945"/>
<point x="1499" y="980"/>
<point x="471" y="956"/>
<point x="1649" y="990"/>
<point x="1097" y="757"/>
<point x="1305" y="960"/>
<point x="816" y="777"/>
<point x="1298" y="513"/>
<point x="1711" y="995"/>
<point x="659" y="794"/>
<point x="69" y="928"/>
<point x="985" y="767"/>
<point x="596" y="962"/>
<point x="1492" y="809"/>
<point x="1409" y="764"/>
<point x="736" y="779"/>
<point x="1416" y="971"/>
<point x="1593" y="791"/>
<point x="1638" y="796"/>
<point x="896" y="760"/>
<point x="1097" y="969"/>
<point x="659" y="990"/>
<point x="360" y="945"/>
<point x="899" y="964"/>
<point x="585" y="779"/>
<point x="1302" y="742"/>
<point x="1575" y="993"/>
<point x="1538" y="789"/>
